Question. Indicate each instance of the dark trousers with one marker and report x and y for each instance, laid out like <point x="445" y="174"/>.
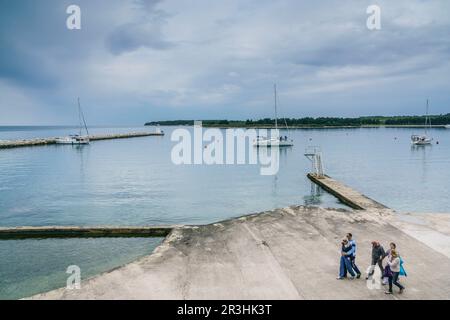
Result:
<point x="344" y="266"/>
<point x="374" y="263"/>
<point x="394" y="280"/>
<point x="354" y="266"/>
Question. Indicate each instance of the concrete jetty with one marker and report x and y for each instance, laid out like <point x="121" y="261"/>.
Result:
<point x="125" y="135"/>
<point x="290" y="253"/>
<point x="15" y="233"/>
<point x="48" y="141"/>
<point x="345" y="194"/>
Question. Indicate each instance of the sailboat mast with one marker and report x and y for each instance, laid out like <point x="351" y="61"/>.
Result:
<point x="426" y="120"/>
<point x="81" y="115"/>
<point x="79" y="118"/>
<point x="276" y="113"/>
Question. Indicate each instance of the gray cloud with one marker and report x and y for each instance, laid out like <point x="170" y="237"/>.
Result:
<point x="25" y="68"/>
<point x="143" y="32"/>
<point x="131" y="37"/>
<point x="149" y="59"/>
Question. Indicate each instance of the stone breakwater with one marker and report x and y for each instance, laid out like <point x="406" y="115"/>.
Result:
<point x="49" y="141"/>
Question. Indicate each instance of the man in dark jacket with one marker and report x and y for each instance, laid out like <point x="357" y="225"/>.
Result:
<point x="378" y="254"/>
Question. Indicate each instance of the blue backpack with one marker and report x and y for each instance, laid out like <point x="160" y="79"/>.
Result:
<point x="402" y="270"/>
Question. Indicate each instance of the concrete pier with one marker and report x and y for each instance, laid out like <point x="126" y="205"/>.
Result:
<point x="49" y="141"/>
<point x="15" y="233"/>
<point x="125" y="135"/>
<point x="345" y="194"/>
<point x="290" y="253"/>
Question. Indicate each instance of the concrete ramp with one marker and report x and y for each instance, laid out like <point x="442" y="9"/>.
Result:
<point x="290" y="253"/>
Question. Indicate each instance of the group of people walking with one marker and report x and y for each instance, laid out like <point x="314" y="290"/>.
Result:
<point x="390" y="272"/>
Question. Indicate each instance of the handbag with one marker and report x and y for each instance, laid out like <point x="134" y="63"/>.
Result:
<point x="388" y="272"/>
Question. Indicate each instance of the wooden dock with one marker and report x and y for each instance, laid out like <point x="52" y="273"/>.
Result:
<point x="345" y="194"/>
<point x="15" y="233"/>
<point x="48" y="141"/>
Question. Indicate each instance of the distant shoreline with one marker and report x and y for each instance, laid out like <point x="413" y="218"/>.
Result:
<point x="442" y="126"/>
<point x="442" y="120"/>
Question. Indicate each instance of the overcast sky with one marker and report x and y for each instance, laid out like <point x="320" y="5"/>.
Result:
<point x="140" y="60"/>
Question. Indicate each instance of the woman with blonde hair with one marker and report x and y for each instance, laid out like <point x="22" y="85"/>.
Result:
<point x="394" y="264"/>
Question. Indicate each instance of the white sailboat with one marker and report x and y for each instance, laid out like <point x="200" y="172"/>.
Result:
<point x="77" y="139"/>
<point x="277" y="141"/>
<point x="423" y="139"/>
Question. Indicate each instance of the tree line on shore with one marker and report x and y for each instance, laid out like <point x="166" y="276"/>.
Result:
<point x="442" y="119"/>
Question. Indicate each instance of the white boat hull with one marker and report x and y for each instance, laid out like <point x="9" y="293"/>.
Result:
<point x="273" y="143"/>
<point x="421" y="143"/>
<point x="76" y="140"/>
<point x="420" y="140"/>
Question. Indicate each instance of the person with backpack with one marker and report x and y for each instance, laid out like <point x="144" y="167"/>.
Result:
<point x="392" y="246"/>
<point x="394" y="264"/>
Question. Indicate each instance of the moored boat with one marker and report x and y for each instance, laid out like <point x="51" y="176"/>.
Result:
<point x="273" y="142"/>
<point x="76" y="139"/>
<point x="73" y="139"/>
<point x="420" y="139"/>
<point x="277" y="141"/>
<point x="423" y="139"/>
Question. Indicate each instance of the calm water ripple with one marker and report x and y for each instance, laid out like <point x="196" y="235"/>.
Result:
<point x="133" y="182"/>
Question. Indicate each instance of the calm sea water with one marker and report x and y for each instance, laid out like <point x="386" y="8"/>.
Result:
<point x="134" y="182"/>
